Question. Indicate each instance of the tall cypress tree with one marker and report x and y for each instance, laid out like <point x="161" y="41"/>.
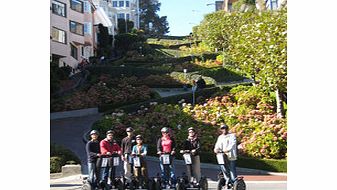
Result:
<point x="148" y="14"/>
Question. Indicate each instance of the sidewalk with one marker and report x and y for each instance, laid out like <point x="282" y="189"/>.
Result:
<point x="251" y="176"/>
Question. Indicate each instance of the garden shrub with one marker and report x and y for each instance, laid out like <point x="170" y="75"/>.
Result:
<point x="59" y="156"/>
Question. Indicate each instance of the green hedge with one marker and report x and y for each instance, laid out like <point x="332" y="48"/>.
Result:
<point x="271" y="165"/>
<point x="127" y="71"/>
<point x="207" y="92"/>
<point x="59" y="156"/>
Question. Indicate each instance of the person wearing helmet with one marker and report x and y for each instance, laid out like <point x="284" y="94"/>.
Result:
<point x="226" y="143"/>
<point x="127" y="144"/>
<point x="166" y="144"/>
<point x="109" y="146"/>
<point x="93" y="152"/>
<point x="140" y="149"/>
<point x="192" y="144"/>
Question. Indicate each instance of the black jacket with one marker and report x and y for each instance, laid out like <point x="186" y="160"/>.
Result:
<point x="188" y="144"/>
<point x="92" y="149"/>
<point x="127" y="144"/>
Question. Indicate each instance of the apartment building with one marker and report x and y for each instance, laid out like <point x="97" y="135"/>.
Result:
<point x="122" y="9"/>
<point x="71" y="31"/>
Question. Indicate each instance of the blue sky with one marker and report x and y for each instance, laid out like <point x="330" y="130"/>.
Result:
<point x="182" y="15"/>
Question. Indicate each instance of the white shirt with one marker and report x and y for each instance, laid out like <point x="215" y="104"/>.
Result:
<point x="227" y="143"/>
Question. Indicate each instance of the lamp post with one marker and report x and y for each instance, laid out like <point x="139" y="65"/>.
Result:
<point x="208" y="4"/>
<point x="185" y="77"/>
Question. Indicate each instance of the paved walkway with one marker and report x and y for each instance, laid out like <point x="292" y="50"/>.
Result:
<point x="69" y="133"/>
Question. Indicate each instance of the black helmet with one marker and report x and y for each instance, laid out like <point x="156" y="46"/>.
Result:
<point x="129" y="129"/>
<point x="223" y="126"/>
<point x="94" y="132"/>
<point x="109" y="132"/>
<point x="139" y="137"/>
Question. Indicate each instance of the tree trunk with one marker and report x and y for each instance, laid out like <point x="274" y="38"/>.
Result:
<point x="283" y="4"/>
<point x="262" y="5"/>
<point x="225" y="5"/>
<point x="279" y="104"/>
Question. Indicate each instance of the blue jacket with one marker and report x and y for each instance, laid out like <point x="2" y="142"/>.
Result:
<point x="142" y="150"/>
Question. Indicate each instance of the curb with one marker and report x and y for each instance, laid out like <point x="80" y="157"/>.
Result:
<point x="73" y="113"/>
<point x="207" y="165"/>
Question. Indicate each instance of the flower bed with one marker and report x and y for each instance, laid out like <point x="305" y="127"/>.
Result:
<point x="247" y="111"/>
<point x="100" y="94"/>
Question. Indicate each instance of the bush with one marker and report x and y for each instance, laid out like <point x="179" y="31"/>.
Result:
<point x="250" y="113"/>
<point x="56" y="164"/>
<point x="122" y="71"/>
<point x="59" y="156"/>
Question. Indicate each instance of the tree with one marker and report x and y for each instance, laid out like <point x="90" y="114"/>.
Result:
<point x="255" y="43"/>
<point x="104" y="40"/>
<point x="122" y="28"/>
<point x="148" y="14"/>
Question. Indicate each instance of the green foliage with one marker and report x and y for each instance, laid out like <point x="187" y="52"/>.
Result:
<point x="59" y="156"/>
<point x="129" y="41"/>
<point x="256" y="43"/>
<point x="247" y="110"/>
<point x="104" y="40"/>
<point x="57" y="74"/>
<point x="125" y="25"/>
<point x="148" y="14"/>
<point x="250" y="114"/>
<point x="274" y="165"/>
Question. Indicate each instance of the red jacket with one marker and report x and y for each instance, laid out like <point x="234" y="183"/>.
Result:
<point x="111" y="147"/>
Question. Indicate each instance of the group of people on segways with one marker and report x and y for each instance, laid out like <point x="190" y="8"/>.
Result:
<point x="103" y="159"/>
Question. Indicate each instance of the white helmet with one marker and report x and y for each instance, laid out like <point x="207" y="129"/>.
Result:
<point x="164" y="130"/>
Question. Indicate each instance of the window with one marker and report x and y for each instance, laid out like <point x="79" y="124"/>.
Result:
<point x="73" y="52"/>
<point x="121" y="3"/>
<point x="114" y="4"/>
<point x="127" y="16"/>
<point x="87" y="7"/>
<point x="127" y="3"/>
<point x="76" y="5"/>
<point x="58" y="35"/>
<point x="273" y="4"/>
<point x="121" y="15"/>
<point x="59" y="8"/>
<point x="87" y="28"/>
<point x="76" y="28"/>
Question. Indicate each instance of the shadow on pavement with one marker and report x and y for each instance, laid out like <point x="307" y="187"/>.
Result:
<point x="64" y="185"/>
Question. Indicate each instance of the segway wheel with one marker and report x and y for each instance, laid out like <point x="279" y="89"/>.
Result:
<point x="120" y="185"/>
<point x="150" y="184"/>
<point x="221" y="183"/>
<point x="180" y="186"/>
<point x="132" y="185"/>
<point x="239" y="185"/>
<point x="86" y="186"/>
<point x="203" y="184"/>
<point x="157" y="185"/>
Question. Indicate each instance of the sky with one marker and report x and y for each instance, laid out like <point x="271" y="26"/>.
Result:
<point x="182" y="15"/>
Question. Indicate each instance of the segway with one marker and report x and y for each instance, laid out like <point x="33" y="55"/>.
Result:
<point x="140" y="181"/>
<point x="224" y="178"/>
<point x="166" y="183"/>
<point x="92" y="185"/>
<point x="111" y="162"/>
<point x="131" y="184"/>
<point x="183" y="182"/>
<point x="116" y="183"/>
